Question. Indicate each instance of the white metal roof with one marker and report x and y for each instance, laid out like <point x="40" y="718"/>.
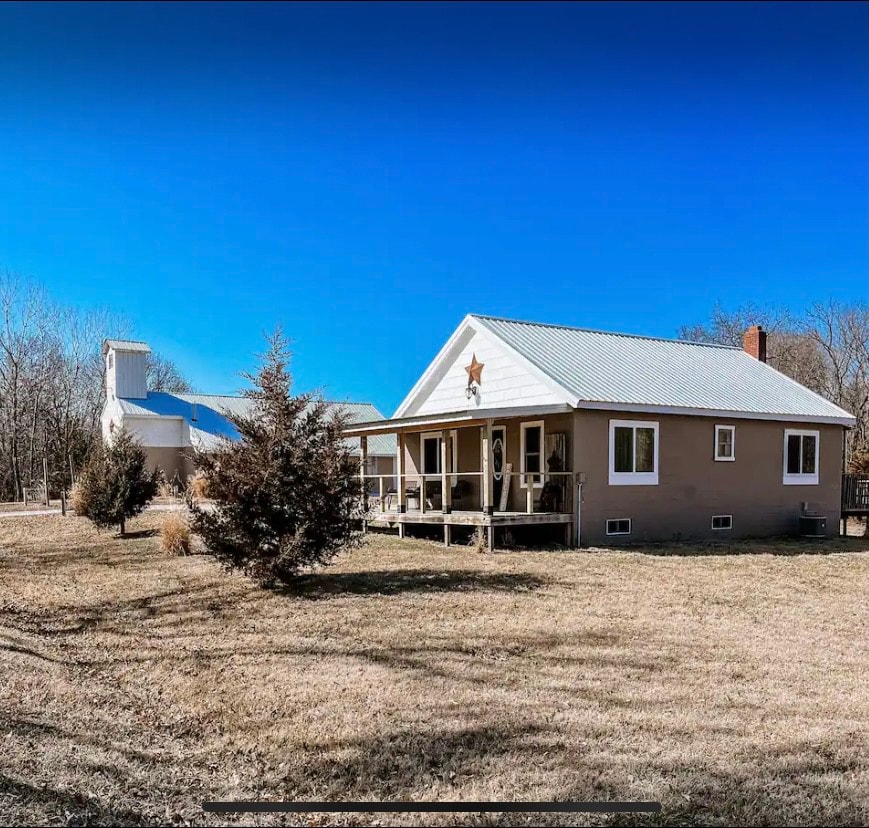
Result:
<point x="126" y="345"/>
<point x="211" y="421"/>
<point x="600" y="369"/>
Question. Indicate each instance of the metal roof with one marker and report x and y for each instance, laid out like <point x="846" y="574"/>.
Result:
<point x="626" y="369"/>
<point x="126" y="345"/>
<point x="211" y="421"/>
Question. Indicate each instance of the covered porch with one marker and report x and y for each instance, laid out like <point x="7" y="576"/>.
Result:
<point x="508" y="469"/>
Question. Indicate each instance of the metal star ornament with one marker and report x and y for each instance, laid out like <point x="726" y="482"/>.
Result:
<point x="475" y="371"/>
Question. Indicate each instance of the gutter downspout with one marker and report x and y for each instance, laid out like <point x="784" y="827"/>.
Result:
<point x="578" y="512"/>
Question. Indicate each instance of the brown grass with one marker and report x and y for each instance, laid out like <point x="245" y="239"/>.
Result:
<point x="731" y="687"/>
<point x="175" y="534"/>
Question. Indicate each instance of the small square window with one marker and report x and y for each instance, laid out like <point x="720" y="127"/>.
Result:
<point x="725" y="442"/>
<point x="722" y="521"/>
<point x="618" y="526"/>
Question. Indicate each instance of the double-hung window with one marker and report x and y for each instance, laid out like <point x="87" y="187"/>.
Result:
<point x="430" y="454"/>
<point x="531" y="454"/>
<point x="633" y="453"/>
<point x="801" y="457"/>
<point x="725" y="442"/>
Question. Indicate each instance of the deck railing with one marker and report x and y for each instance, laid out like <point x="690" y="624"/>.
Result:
<point x="424" y="492"/>
<point x="855" y="493"/>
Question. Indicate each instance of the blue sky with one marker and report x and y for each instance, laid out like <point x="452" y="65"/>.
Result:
<point x="367" y="174"/>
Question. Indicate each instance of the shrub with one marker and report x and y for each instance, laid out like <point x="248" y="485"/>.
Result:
<point x="478" y="540"/>
<point x="114" y="484"/>
<point x="287" y="492"/>
<point x="198" y="486"/>
<point x="76" y="499"/>
<point x="175" y="534"/>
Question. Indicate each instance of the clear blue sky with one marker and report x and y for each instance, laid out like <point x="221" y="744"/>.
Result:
<point x="369" y="174"/>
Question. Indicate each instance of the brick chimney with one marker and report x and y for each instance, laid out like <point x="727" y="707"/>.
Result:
<point x="754" y="342"/>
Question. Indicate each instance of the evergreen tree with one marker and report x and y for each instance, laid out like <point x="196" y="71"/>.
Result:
<point x="114" y="484"/>
<point x="287" y="492"/>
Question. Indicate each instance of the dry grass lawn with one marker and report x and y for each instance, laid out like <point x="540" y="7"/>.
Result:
<point x="135" y="685"/>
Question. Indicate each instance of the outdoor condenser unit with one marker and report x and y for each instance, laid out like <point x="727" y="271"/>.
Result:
<point x="813" y="525"/>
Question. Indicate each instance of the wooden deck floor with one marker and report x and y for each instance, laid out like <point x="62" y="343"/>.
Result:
<point x="467" y="518"/>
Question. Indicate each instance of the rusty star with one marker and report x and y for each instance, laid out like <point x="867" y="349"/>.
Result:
<point x="475" y="371"/>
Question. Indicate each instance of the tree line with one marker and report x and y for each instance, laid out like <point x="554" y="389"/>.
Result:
<point x="52" y="380"/>
<point x="52" y="373"/>
<point x="824" y="347"/>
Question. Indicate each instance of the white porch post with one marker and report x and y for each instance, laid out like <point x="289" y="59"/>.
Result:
<point x="488" y="466"/>
<point x="399" y="472"/>
<point x="485" y="483"/>
<point x="446" y="466"/>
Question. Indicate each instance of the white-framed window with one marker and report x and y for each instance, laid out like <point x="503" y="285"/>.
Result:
<point x="531" y="454"/>
<point x="802" y="454"/>
<point x="430" y="453"/>
<point x="722" y="522"/>
<point x="618" y="526"/>
<point x="633" y="455"/>
<point x="725" y="442"/>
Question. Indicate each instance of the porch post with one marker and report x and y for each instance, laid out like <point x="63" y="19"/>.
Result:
<point x="446" y="466"/>
<point x="485" y="482"/>
<point x="363" y="483"/>
<point x="399" y="472"/>
<point x="488" y="465"/>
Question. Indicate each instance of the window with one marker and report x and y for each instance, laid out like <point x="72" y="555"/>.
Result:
<point x="430" y="453"/>
<point x="633" y="453"/>
<point x="722" y="521"/>
<point x="725" y="442"/>
<point x="801" y="454"/>
<point x="111" y="361"/>
<point x="531" y="448"/>
<point x="618" y="526"/>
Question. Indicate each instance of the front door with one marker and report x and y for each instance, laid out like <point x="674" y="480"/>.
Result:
<point x="499" y="458"/>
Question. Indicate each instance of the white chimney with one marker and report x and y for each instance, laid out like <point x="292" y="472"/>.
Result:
<point x="126" y="364"/>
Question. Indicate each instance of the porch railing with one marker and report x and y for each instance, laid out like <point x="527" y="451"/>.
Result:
<point x="855" y="493"/>
<point x="424" y="492"/>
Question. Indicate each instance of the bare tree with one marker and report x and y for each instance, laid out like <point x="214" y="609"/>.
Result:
<point x="52" y="380"/>
<point x="826" y="348"/>
<point x="163" y="375"/>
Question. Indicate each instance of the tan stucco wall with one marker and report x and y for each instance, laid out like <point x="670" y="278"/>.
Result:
<point x="693" y="486"/>
<point x="170" y="460"/>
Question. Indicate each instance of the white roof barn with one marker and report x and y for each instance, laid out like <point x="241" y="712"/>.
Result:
<point x="167" y="423"/>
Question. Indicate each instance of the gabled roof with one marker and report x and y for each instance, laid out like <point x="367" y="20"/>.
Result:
<point x="211" y="421"/>
<point x="597" y="369"/>
<point x="126" y="345"/>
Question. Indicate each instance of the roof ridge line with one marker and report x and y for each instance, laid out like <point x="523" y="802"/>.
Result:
<point x="243" y="397"/>
<point x="483" y="316"/>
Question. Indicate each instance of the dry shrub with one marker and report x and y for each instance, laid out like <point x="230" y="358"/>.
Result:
<point x="76" y="499"/>
<point x="164" y="489"/>
<point x="175" y="534"/>
<point x="478" y="541"/>
<point x="198" y="486"/>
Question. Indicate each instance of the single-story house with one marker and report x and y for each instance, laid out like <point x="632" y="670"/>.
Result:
<point x="169" y="425"/>
<point x="615" y="437"/>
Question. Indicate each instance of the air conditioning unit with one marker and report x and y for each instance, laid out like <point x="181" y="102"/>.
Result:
<point x="813" y="525"/>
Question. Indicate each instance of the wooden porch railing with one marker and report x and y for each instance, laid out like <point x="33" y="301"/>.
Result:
<point x="855" y="494"/>
<point x="416" y="487"/>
